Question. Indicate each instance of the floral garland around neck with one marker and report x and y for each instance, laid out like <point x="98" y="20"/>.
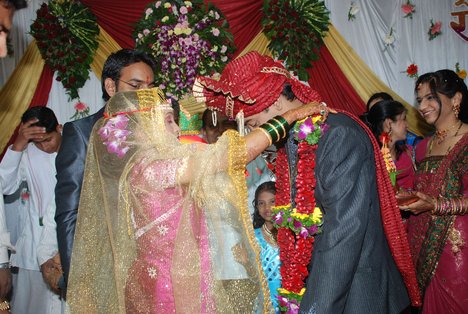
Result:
<point x="297" y="226"/>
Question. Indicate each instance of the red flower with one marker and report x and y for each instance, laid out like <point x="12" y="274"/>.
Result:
<point x="412" y="70"/>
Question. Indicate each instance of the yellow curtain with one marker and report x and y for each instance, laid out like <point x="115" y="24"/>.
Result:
<point x="107" y="45"/>
<point x="17" y="93"/>
<point x="364" y="81"/>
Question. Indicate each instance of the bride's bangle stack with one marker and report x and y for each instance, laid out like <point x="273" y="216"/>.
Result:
<point x="276" y="129"/>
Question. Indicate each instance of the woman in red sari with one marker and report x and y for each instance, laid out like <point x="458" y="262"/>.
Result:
<point x="438" y="230"/>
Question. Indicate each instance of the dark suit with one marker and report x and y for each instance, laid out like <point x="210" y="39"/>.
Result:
<point x="70" y="164"/>
<point x="352" y="269"/>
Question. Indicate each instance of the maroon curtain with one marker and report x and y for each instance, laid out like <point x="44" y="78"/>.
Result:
<point x="40" y="98"/>
<point x="327" y="78"/>
<point x="117" y="18"/>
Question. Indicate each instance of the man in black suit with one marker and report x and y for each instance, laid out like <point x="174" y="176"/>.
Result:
<point x="352" y="269"/>
<point x="124" y="70"/>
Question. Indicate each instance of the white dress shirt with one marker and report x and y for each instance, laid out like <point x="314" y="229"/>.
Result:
<point x="37" y="168"/>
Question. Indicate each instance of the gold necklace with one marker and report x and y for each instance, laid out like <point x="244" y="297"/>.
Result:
<point x="442" y="134"/>
<point x="445" y="136"/>
<point x="269" y="234"/>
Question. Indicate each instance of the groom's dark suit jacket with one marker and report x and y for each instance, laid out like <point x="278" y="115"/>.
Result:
<point x="352" y="269"/>
<point x="70" y="164"/>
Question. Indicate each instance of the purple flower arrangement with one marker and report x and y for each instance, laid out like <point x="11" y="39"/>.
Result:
<point x="114" y="134"/>
<point x="186" y="39"/>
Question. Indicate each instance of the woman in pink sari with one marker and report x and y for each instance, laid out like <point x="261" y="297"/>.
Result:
<point x="438" y="230"/>
<point x="142" y="244"/>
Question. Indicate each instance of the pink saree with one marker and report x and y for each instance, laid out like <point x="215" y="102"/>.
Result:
<point x="438" y="243"/>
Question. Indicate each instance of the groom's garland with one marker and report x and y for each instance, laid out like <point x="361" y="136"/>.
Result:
<point x="297" y="226"/>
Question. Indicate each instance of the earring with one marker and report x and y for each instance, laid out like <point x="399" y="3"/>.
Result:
<point x="456" y="110"/>
<point x="390" y="131"/>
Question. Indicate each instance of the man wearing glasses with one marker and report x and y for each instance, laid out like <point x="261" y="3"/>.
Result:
<point x="124" y="70"/>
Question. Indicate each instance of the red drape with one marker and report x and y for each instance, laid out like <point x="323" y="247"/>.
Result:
<point x="40" y="98"/>
<point x="327" y="78"/>
<point x="117" y="18"/>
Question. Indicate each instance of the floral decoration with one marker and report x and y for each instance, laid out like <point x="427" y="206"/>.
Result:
<point x="353" y="10"/>
<point x="412" y="71"/>
<point x="389" y="39"/>
<point x="24" y="195"/>
<point x="387" y="156"/>
<point x="66" y="33"/>
<point x="434" y="29"/>
<point x="295" y="29"/>
<point x="81" y="111"/>
<point x="460" y="72"/>
<point x="408" y="9"/>
<point x="297" y="226"/>
<point x="187" y="39"/>
<point x="114" y="134"/>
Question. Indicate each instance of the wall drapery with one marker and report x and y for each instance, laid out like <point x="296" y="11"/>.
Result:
<point x="340" y="76"/>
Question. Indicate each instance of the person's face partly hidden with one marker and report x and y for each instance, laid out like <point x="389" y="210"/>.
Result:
<point x="399" y="128"/>
<point x="133" y="77"/>
<point x="6" y="22"/>
<point x="50" y="143"/>
<point x="170" y="124"/>
<point x="211" y="133"/>
<point x="272" y="111"/>
<point x="265" y="201"/>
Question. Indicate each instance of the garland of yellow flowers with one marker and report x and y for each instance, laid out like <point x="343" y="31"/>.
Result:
<point x="297" y="226"/>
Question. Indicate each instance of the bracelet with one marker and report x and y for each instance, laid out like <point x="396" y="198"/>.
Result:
<point x="270" y="142"/>
<point x="283" y="124"/>
<point x="5" y="265"/>
<point x="276" y="126"/>
<point x="450" y="206"/>
<point x="4" y="306"/>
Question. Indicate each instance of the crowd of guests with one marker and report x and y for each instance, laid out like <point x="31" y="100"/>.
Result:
<point x="118" y="216"/>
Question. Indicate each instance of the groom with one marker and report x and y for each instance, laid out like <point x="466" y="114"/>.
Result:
<point x="352" y="269"/>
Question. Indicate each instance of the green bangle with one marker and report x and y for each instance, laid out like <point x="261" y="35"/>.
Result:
<point x="283" y="124"/>
<point x="272" y="130"/>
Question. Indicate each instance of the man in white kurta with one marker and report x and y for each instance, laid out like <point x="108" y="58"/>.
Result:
<point x="32" y="159"/>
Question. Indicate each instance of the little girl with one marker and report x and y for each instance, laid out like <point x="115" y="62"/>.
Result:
<point x="266" y="236"/>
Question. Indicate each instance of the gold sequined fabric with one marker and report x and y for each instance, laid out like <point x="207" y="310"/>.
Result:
<point x="163" y="227"/>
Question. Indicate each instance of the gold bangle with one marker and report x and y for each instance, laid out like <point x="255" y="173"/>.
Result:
<point x="4" y="306"/>
<point x="270" y="141"/>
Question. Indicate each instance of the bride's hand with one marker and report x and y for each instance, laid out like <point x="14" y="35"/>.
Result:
<point x="307" y="110"/>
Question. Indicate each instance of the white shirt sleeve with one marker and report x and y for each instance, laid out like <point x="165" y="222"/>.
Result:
<point x="10" y="171"/>
<point x="5" y="243"/>
<point x="48" y="245"/>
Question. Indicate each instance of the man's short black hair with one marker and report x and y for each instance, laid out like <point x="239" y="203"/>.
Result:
<point x="17" y="4"/>
<point x="46" y="117"/>
<point x="119" y="60"/>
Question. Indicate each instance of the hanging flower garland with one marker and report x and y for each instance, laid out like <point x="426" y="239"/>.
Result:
<point x="66" y="33"/>
<point x="297" y="226"/>
<point x="387" y="156"/>
<point x="186" y="39"/>
<point x="295" y="29"/>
